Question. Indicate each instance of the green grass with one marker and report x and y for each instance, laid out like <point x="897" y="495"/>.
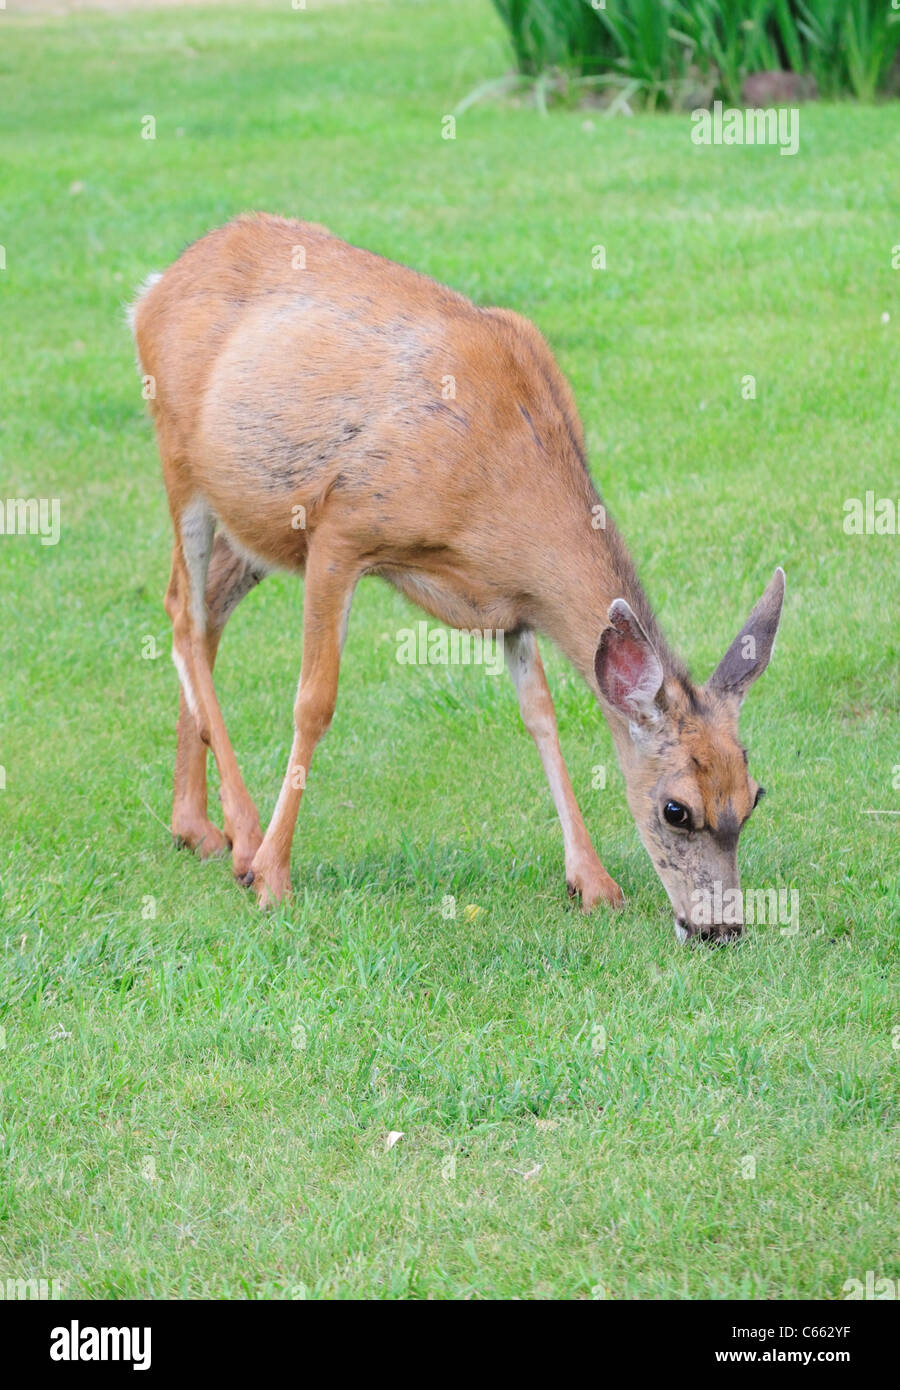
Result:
<point x="131" y="1037"/>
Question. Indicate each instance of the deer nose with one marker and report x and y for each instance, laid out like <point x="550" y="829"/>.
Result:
<point x="720" y="935"/>
<point x="716" y="934"/>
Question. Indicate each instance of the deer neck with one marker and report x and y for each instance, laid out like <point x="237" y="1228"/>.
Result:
<point x="583" y="565"/>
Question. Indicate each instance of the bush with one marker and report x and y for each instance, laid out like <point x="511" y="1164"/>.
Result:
<point x="662" y="47"/>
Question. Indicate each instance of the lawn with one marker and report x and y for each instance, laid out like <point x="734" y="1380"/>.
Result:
<point x="195" y="1096"/>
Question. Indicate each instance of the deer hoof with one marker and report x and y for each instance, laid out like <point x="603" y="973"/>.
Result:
<point x="593" y="887"/>
<point x="270" y="882"/>
<point x="204" y="837"/>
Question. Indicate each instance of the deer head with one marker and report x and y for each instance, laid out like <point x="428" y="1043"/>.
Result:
<point x="685" y="769"/>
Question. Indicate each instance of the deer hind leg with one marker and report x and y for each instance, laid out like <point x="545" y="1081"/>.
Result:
<point x="187" y="607"/>
<point x="585" y="874"/>
<point x="328" y="590"/>
<point x="230" y="578"/>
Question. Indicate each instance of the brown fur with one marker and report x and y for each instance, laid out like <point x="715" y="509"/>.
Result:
<point x="297" y="377"/>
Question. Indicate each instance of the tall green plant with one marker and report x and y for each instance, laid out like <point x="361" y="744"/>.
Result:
<point x="733" y="37"/>
<point x="850" y="47"/>
<point x="650" y="49"/>
<point x="554" y="33"/>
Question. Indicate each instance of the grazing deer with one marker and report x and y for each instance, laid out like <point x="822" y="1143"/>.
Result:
<point x="321" y="409"/>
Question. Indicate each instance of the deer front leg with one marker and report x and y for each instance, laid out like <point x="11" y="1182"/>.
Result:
<point x="585" y="874"/>
<point x="326" y="604"/>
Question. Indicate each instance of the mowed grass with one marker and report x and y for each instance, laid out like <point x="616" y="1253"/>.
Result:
<point x="195" y="1097"/>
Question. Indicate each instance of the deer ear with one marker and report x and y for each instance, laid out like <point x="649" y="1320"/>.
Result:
<point x="628" y="671"/>
<point x="748" y="656"/>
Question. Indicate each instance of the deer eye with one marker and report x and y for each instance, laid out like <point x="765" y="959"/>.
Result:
<point x="677" y="815"/>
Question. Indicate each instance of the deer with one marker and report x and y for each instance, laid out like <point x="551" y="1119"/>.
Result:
<point x="322" y="410"/>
